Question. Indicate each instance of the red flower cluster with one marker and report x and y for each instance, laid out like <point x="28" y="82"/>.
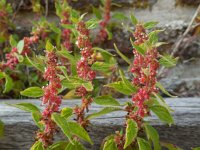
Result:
<point x="84" y="71"/>
<point x="83" y="66"/>
<point x="50" y="99"/>
<point x="12" y="60"/>
<point x="103" y="35"/>
<point x="11" y="57"/>
<point x="66" y="32"/>
<point x="144" y="69"/>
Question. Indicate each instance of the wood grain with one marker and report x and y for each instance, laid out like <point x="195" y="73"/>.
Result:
<point x="19" y="127"/>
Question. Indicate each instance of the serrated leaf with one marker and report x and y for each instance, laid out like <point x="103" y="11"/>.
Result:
<point x="37" y="146"/>
<point x="159" y="85"/>
<point x="20" y="46"/>
<point x="134" y="20"/>
<point x="25" y="106"/>
<point x="162" y="113"/>
<point x="122" y="55"/>
<point x="32" y="92"/>
<point x="106" y="100"/>
<point x="110" y="145"/>
<point x="102" y="112"/>
<point x="168" y="61"/>
<point x="79" y="131"/>
<point x="66" y="112"/>
<point x="138" y="48"/>
<point x="131" y="132"/>
<point x="143" y="144"/>
<point x="152" y="135"/>
<point x="75" y="146"/>
<point x="149" y="25"/>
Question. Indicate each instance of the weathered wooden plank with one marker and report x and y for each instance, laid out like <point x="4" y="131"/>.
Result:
<point x="19" y="127"/>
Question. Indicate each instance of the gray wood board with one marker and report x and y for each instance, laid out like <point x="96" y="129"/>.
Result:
<point x="19" y="127"/>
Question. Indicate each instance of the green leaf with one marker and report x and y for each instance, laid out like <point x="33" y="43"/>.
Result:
<point x="197" y="148"/>
<point x="97" y="13"/>
<point x="60" y="145"/>
<point x="64" y="71"/>
<point x="106" y="100"/>
<point x="161" y="101"/>
<point x="37" y="146"/>
<point x="32" y="92"/>
<point x="122" y="55"/>
<point x="2" y="75"/>
<point x="128" y="84"/>
<point x="143" y="144"/>
<point x="106" y="55"/>
<point x="159" y="85"/>
<point x="134" y="20"/>
<point x="75" y="82"/>
<point x="119" y="16"/>
<point x="131" y="132"/>
<point x="65" y="53"/>
<point x="79" y="131"/>
<point x="170" y="146"/>
<point x="121" y="87"/>
<point x="153" y="37"/>
<point x="13" y="42"/>
<point x="75" y="146"/>
<point x="102" y="66"/>
<point x="63" y="124"/>
<point x="138" y="48"/>
<point x="1" y="128"/>
<point x="9" y="84"/>
<point x="25" y="106"/>
<point x="102" y="112"/>
<point x="162" y="113"/>
<point x="110" y="145"/>
<point x="20" y="46"/>
<point x="92" y="23"/>
<point x="149" y="25"/>
<point x="49" y="47"/>
<point x="37" y="118"/>
<point x="36" y="64"/>
<point x="56" y="30"/>
<point x="153" y="135"/>
<point x="168" y="61"/>
<point x="66" y="112"/>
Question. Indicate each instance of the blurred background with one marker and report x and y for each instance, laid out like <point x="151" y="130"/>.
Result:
<point x="180" y="20"/>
